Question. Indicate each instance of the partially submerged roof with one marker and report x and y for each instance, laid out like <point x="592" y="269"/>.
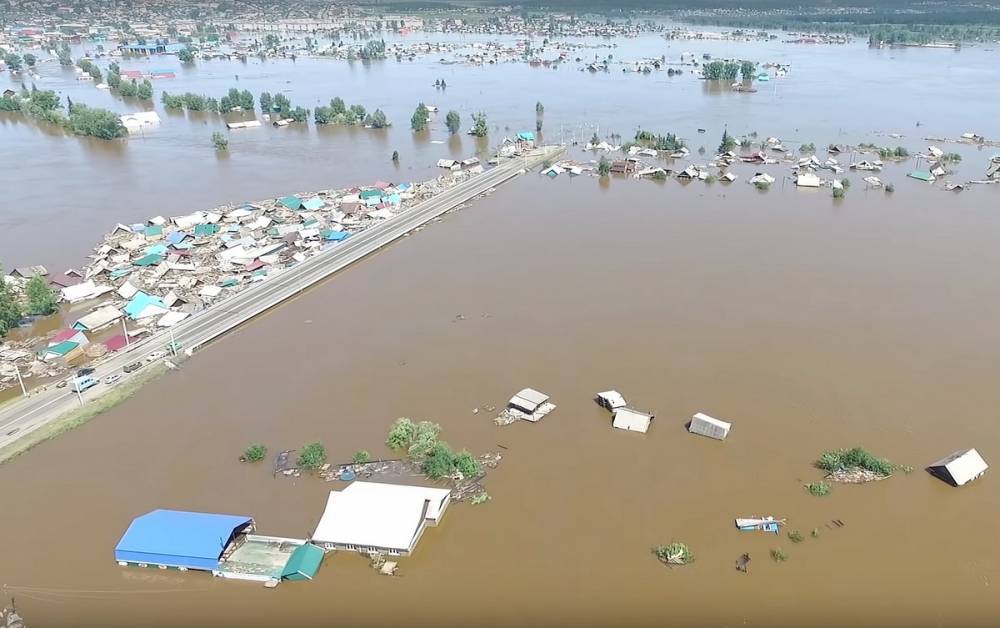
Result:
<point x="304" y="563"/>
<point x="709" y="426"/>
<point x="612" y="399"/>
<point x="101" y="317"/>
<point x="960" y="467"/>
<point x="373" y="514"/>
<point x="528" y="399"/>
<point x="632" y="420"/>
<point x="176" y="538"/>
<point x="921" y="175"/>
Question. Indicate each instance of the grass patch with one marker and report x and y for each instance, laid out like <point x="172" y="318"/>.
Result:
<point x="80" y="415"/>
<point x="254" y="453"/>
<point x="361" y="457"/>
<point x="795" y="536"/>
<point x="818" y="489"/>
<point x="673" y="554"/>
<point x="856" y="458"/>
<point x="480" y="498"/>
<point x="779" y="555"/>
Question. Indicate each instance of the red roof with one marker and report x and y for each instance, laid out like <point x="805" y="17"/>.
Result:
<point x="64" y="335"/>
<point x="132" y="74"/>
<point x="116" y="343"/>
<point x="254" y="265"/>
<point x="382" y="185"/>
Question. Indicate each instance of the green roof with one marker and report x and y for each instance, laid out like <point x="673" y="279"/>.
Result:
<point x="313" y="204"/>
<point x="63" y="347"/>
<point x="923" y="175"/>
<point x="148" y="260"/>
<point x="371" y="194"/>
<point x="304" y="563"/>
<point x="291" y="202"/>
<point x="205" y="230"/>
<point x="154" y="230"/>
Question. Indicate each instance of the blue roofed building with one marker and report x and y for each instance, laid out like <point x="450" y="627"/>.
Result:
<point x="179" y="539"/>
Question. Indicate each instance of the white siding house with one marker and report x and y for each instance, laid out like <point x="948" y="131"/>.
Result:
<point x="960" y="468"/>
<point x="708" y="426"/>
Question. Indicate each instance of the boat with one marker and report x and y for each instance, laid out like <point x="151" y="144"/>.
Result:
<point x="765" y="524"/>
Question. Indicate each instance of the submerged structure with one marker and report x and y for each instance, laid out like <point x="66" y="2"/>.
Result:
<point x="709" y="426"/>
<point x="376" y="517"/>
<point x="960" y="467"/>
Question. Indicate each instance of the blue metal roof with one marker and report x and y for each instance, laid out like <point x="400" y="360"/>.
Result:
<point x="176" y="538"/>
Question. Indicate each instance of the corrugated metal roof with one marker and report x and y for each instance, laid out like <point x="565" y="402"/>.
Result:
<point x="304" y="563"/>
<point x="177" y="538"/>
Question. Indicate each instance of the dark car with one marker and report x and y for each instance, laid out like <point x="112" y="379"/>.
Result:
<point x="135" y="366"/>
<point x="84" y="372"/>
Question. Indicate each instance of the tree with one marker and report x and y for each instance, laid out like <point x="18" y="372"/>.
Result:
<point x="538" y="125"/>
<point x="453" y="121"/>
<point x="420" y="118"/>
<point x="29" y="59"/>
<point x="312" y="456"/>
<point x="728" y="142"/>
<point x="41" y="298"/>
<point x="220" y="141"/>
<point x="265" y="102"/>
<point x="10" y="310"/>
<point x="145" y="90"/>
<point x="604" y="167"/>
<point x="539" y="108"/>
<point x="748" y="70"/>
<point x="299" y="114"/>
<point x="466" y="464"/>
<point x="337" y="106"/>
<point x="395" y="156"/>
<point x="186" y="55"/>
<point x="255" y="452"/>
<point x="65" y="59"/>
<point x="13" y="61"/>
<point x="479" y="126"/>
<point x="376" y="120"/>
<point x="439" y="461"/>
<point x="95" y="122"/>
<point x="401" y="433"/>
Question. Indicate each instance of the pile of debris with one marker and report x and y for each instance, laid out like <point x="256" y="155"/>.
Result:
<point x="855" y="475"/>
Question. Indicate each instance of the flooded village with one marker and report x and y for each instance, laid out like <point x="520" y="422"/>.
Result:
<point x="731" y="287"/>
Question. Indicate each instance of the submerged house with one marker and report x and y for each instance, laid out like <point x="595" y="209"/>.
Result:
<point x="531" y="404"/>
<point x="960" y="467"/>
<point x="175" y="539"/>
<point x="708" y="426"/>
<point x="378" y="517"/>
<point x="632" y="420"/>
<point x="611" y="400"/>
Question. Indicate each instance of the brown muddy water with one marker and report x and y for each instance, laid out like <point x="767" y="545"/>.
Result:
<point x="808" y="324"/>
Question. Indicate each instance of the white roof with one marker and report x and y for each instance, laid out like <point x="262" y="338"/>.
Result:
<point x="373" y="514"/>
<point x="171" y="318"/>
<point x="83" y="291"/>
<point x="963" y="466"/>
<point x="613" y="399"/>
<point x="127" y="290"/>
<point x="100" y="318"/>
<point x="632" y="420"/>
<point x="528" y="399"/>
<point x="807" y="179"/>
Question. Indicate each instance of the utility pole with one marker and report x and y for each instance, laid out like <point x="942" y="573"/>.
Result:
<point x="128" y="342"/>
<point x="20" y="381"/>
<point x="173" y="344"/>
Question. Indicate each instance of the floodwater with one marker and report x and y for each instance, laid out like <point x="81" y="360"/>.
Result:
<point x="809" y="323"/>
<point x="67" y="192"/>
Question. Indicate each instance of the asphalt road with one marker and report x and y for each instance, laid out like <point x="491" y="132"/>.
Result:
<point x="20" y="418"/>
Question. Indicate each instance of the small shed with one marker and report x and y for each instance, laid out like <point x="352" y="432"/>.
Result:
<point x="708" y="426"/>
<point x="632" y="420"/>
<point x="179" y="539"/>
<point x="611" y="400"/>
<point x="807" y="180"/>
<point x="961" y="467"/>
<point x="304" y="563"/>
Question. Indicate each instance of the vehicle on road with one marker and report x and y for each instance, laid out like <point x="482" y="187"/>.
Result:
<point x="84" y="372"/>
<point x="156" y="355"/>
<point x="62" y="384"/>
<point x="81" y="384"/>
<point x="135" y="366"/>
<point x="112" y="379"/>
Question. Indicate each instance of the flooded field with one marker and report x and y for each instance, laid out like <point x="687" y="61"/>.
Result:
<point x="807" y="323"/>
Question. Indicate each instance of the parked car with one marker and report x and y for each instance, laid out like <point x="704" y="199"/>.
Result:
<point x="135" y="366"/>
<point x="156" y="355"/>
<point x="112" y="379"/>
<point x="62" y="384"/>
<point x="84" y="372"/>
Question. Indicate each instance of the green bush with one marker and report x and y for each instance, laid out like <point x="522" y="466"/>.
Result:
<point x="795" y="536"/>
<point x="856" y="458"/>
<point x="466" y="464"/>
<point x="255" y="452"/>
<point x="439" y="461"/>
<point x="401" y="433"/>
<point x="779" y="555"/>
<point x="312" y="456"/>
<point x="838" y="193"/>
<point x="763" y="186"/>
<point x="361" y="456"/>
<point x="480" y="498"/>
<point x="674" y="554"/>
<point x="818" y="489"/>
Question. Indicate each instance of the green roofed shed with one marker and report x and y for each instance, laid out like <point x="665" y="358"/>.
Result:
<point x="291" y="202"/>
<point x="153" y="231"/>
<point x="304" y="563"/>
<point x="148" y="260"/>
<point x="921" y="175"/>
<point x="313" y="203"/>
<point x="366" y="194"/>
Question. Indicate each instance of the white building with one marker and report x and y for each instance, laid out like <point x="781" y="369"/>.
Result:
<point x="708" y="426"/>
<point x="960" y="468"/>
<point x="807" y="180"/>
<point x="528" y="400"/>
<point x="611" y="399"/>
<point x="377" y="517"/>
<point x="632" y="420"/>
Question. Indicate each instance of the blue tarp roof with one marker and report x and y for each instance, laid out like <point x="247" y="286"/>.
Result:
<point x="176" y="538"/>
<point x="526" y="136"/>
